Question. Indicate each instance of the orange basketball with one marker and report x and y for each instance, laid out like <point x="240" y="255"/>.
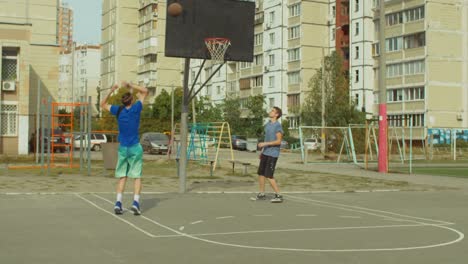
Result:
<point x="174" y="9"/>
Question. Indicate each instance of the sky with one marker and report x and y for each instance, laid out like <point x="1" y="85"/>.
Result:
<point x="87" y="20"/>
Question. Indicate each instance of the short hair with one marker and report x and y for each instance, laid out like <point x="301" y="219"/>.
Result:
<point x="278" y="111"/>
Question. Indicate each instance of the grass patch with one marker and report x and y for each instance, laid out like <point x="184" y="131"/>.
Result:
<point x="459" y="172"/>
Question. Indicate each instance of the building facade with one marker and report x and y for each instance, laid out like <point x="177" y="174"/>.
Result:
<point x="426" y="49"/>
<point x="80" y="73"/>
<point x="28" y="44"/>
<point x="65" y="27"/>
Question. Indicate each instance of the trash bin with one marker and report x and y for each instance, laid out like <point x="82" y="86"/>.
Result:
<point x="252" y="144"/>
<point x="109" y="154"/>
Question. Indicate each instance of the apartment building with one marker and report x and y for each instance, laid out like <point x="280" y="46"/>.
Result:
<point x="155" y="71"/>
<point x="288" y="43"/>
<point x="28" y="44"/>
<point x="80" y="73"/>
<point x="427" y="63"/>
<point x="65" y="27"/>
<point x="133" y="46"/>
<point x="119" y="41"/>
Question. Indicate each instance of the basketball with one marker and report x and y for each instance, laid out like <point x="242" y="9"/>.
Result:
<point x="174" y="9"/>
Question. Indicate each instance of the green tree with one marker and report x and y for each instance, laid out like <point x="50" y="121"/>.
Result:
<point x="207" y="111"/>
<point x="339" y="109"/>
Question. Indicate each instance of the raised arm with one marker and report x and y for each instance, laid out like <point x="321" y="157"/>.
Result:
<point x="104" y="104"/>
<point x="142" y="91"/>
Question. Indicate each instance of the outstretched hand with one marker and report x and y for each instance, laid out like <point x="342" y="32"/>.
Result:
<point x="115" y="87"/>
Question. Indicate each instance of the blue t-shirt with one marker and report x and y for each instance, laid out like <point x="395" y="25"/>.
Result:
<point x="270" y="135"/>
<point x="129" y="123"/>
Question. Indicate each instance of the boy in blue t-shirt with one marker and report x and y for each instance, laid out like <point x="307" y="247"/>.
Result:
<point x="269" y="156"/>
<point x="130" y="154"/>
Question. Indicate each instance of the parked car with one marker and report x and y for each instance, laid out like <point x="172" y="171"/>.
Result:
<point x="96" y="141"/>
<point x="59" y="139"/>
<point x="239" y="142"/>
<point x="312" y="143"/>
<point x="153" y="142"/>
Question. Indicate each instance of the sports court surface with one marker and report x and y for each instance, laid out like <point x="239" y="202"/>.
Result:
<point x="368" y="227"/>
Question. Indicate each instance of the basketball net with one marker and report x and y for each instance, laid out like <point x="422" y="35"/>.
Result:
<point x="217" y="48"/>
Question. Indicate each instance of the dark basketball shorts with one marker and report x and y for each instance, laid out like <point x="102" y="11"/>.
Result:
<point x="267" y="166"/>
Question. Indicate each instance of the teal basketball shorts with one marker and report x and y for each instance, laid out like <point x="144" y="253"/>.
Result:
<point x="130" y="162"/>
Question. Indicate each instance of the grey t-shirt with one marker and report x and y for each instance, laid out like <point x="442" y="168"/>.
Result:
<point x="270" y="135"/>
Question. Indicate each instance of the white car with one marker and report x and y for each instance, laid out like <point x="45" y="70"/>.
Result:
<point x="96" y="141"/>
<point x="312" y="143"/>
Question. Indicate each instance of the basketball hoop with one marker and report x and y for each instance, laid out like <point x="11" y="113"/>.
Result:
<point x="217" y="48"/>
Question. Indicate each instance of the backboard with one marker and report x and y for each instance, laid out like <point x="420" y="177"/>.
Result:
<point x="200" y="19"/>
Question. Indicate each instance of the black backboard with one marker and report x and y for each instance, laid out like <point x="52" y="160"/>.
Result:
<point x="202" y="19"/>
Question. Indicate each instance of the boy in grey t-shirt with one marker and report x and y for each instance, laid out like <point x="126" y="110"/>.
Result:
<point x="269" y="157"/>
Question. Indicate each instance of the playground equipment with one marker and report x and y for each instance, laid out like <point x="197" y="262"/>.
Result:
<point x="204" y="141"/>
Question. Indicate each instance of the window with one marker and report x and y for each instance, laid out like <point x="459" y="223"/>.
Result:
<point x="356" y="76"/>
<point x="294" y="32"/>
<point x="294" y="54"/>
<point x="218" y="89"/>
<point x="9" y="124"/>
<point x="272" y="17"/>
<point x="9" y="64"/>
<point x="356" y="52"/>
<point x="272" y="102"/>
<point x="294" y="121"/>
<point x="271" y="59"/>
<point x="293" y="100"/>
<point x="356" y="30"/>
<point x="257" y="81"/>
<point x="295" y="10"/>
<point x="414" y="94"/>
<point x="272" y="38"/>
<point x="208" y="90"/>
<point x="394" y="70"/>
<point x="293" y="78"/>
<point x="356" y="5"/>
<point x="271" y="81"/>
<point x="394" y="19"/>
<point x="414" y="67"/>
<point x="258" y="39"/>
<point x="258" y="60"/>
<point x="394" y="44"/>
<point x="375" y="49"/>
<point x="415" y="40"/>
<point x="333" y="32"/>
<point x="333" y="11"/>
<point x="414" y="14"/>
<point x="244" y="84"/>
<point x="244" y="65"/>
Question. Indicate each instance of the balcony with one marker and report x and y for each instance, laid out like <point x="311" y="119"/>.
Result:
<point x="147" y="67"/>
<point x="145" y="3"/>
<point x="147" y="34"/>
<point x="146" y="18"/>
<point x="149" y="50"/>
<point x="259" y="18"/>
<point x="257" y="90"/>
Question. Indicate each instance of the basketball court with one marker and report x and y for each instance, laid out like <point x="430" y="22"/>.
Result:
<point x="374" y="227"/>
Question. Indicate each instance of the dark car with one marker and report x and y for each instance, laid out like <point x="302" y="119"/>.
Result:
<point x="239" y="142"/>
<point x="59" y="140"/>
<point x="153" y="142"/>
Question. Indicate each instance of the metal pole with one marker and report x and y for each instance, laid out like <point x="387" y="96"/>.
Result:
<point x="81" y="134"/>
<point x="172" y="111"/>
<point x="383" y="144"/>
<point x="89" y="133"/>
<point x="38" y="118"/>
<point x="42" y="137"/>
<point x="49" y="132"/>
<point x="411" y="146"/>
<point x="183" y="131"/>
<point x="323" y="145"/>
<point x="73" y="72"/>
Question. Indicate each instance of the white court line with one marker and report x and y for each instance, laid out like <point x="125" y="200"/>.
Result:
<point x="263" y="215"/>
<point x="119" y="218"/>
<point x="197" y="222"/>
<point x="305" y="215"/>
<point x="224" y="217"/>
<point x="300" y="230"/>
<point x="349" y="216"/>
<point x="460" y="237"/>
<point x="367" y="210"/>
